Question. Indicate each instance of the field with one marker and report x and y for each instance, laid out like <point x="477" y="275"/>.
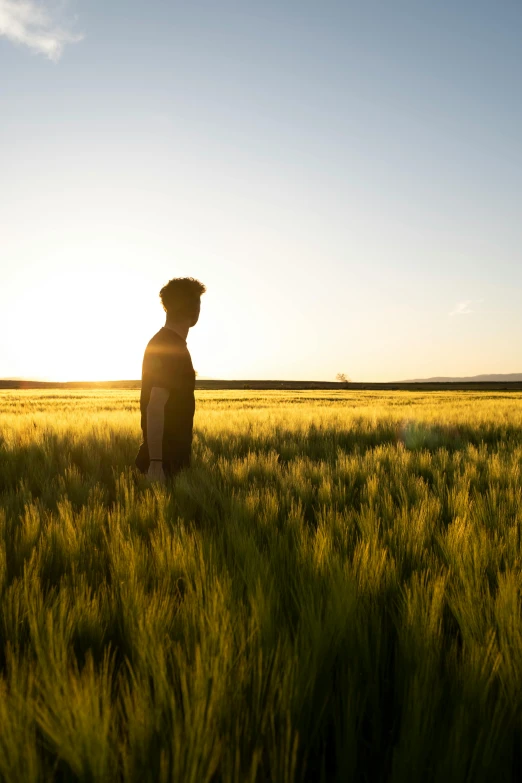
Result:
<point x="331" y="593"/>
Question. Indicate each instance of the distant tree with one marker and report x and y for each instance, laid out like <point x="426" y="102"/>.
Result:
<point x="342" y="377"/>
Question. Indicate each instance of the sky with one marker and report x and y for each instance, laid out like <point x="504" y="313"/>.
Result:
<point x="345" y="178"/>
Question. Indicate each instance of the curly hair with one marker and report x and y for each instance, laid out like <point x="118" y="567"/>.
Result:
<point x="180" y="295"/>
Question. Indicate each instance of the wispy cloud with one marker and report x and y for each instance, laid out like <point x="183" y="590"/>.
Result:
<point x="33" y="24"/>
<point x="466" y="307"/>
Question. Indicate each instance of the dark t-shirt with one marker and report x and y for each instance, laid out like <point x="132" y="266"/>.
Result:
<point x="167" y="364"/>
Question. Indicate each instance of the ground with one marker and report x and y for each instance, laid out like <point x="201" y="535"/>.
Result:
<point x="330" y="593"/>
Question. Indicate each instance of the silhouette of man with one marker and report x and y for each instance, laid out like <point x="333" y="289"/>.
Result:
<point x="167" y="384"/>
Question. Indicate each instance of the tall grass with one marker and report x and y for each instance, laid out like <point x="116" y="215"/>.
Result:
<point x="331" y="593"/>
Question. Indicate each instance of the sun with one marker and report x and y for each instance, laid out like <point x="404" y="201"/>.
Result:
<point x="88" y="326"/>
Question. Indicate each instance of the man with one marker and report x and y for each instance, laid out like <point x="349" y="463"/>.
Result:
<point x="167" y="384"/>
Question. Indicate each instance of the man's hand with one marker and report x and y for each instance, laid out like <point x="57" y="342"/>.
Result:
<point x="155" y="472"/>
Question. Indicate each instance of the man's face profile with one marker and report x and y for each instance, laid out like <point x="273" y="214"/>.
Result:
<point x="194" y="316"/>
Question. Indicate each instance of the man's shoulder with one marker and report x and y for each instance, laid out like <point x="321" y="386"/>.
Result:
<point x="167" y="345"/>
<point x="165" y="340"/>
<point x="162" y="336"/>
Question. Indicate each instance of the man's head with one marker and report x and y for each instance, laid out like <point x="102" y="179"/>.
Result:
<point x="180" y="298"/>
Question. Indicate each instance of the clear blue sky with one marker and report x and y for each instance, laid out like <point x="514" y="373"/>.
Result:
<point x="346" y="178"/>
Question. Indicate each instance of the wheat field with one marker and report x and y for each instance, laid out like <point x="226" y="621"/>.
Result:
<point x="332" y="592"/>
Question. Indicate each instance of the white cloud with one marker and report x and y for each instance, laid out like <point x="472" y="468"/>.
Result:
<point x="465" y="307"/>
<point x="32" y="24"/>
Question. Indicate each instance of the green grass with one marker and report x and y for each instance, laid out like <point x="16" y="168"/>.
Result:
<point x="331" y="593"/>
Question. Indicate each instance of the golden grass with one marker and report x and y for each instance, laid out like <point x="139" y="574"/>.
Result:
<point x="330" y="593"/>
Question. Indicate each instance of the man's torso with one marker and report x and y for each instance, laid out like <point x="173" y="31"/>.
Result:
<point x="167" y="364"/>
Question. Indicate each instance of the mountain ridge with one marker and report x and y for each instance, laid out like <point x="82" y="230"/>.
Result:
<point x="515" y="377"/>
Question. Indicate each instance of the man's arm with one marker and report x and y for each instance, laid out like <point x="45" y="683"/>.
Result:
<point x="155" y="428"/>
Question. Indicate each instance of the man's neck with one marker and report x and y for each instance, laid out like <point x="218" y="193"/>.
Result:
<point x="181" y="329"/>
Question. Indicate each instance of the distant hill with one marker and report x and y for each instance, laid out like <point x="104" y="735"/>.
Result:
<point x="514" y="377"/>
<point x="478" y="383"/>
<point x="24" y="383"/>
